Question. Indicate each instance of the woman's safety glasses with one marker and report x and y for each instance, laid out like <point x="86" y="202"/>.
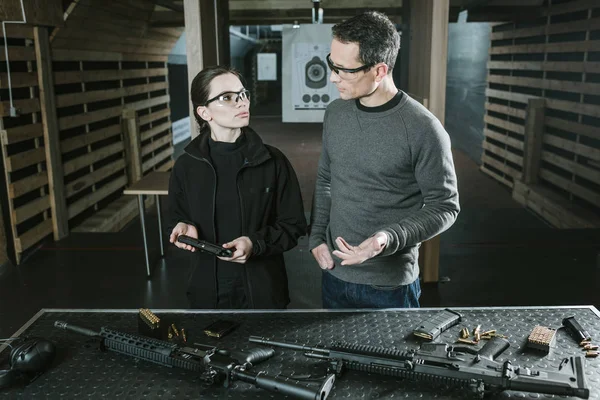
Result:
<point x="230" y="98"/>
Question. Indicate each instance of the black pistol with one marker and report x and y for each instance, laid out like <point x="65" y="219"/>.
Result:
<point x="205" y="246"/>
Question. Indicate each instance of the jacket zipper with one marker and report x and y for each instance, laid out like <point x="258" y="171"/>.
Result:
<point x="213" y="221"/>
<point x="237" y="184"/>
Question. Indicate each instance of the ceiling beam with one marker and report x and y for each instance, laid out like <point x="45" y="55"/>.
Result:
<point x="170" y="5"/>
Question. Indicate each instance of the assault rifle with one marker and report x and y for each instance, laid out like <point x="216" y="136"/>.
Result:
<point x="215" y="365"/>
<point x="458" y="366"/>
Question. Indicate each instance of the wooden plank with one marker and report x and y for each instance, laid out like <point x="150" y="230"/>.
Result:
<point x="89" y="117"/>
<point x="511" y="126"/>
<point x="99" y="45"/>
<point x="573" y="167"/>
<point x="166" y="166"/>
<point x="21" y="133"/>
<point x="560" y="66"/>
<point x="554" y="208"/>
<point x="571" y="187"/>
<point x="146" y="119"/>
<point x="25" y="185"/>
<point x="89" y="138"/>
<point x="72" y="99"/>
<point x="501" y="137"/>
<point x="564" y="27"/>
<point x="89" y="55"/>
<point x="106" y="75"/>
<point x="574" y="127"/>
<point x="132" y="144"/>
<point x="156" y="130"/>
<point x="84" y="203"/>
<point x="503" y="153"/>
<point x="94" y="177"/>
<point x="573" y="147"/>
<point x="157" y="158"/>
<point x="510" y="96"/>
<point x="534" y="132"/>
<point x="23" y="106"/>
<point x="18" y="31"/>
<point x="562" y="47"/>
<point x="18" y="79"/>
<point x="31" y="209"/>
<point x="509" y="111"/>
<point x="577" y="108"/>
<point x="505" y="168"/>
<point x="156" y="144"/>
<point x="56" y="186"/>
<point x="18" y="53"/>
<point x="99" y="115"/>
<point x="111" y="36"/>
<point x="548" y="84"/>
<point x="112" y="218"/>
<point x="90" y="158"/>
<point x="155" y="101"/>
<point x="497" y="177"/>
<point x="570" y="7"/>
<point x="25" y="159"/>
<point x="33" y="236"/>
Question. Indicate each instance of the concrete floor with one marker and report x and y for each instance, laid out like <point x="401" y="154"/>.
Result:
<point x="496" y="254"/>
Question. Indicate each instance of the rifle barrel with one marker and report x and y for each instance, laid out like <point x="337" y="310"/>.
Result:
<point x="286" y="345"/>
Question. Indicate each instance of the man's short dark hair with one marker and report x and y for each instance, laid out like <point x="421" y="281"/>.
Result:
<point x="376" y="36"/>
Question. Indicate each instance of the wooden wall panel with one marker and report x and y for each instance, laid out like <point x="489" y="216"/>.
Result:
<point x="26" y="180"/>
<point x="105" y="58"/>
<point x="556" y="59"/>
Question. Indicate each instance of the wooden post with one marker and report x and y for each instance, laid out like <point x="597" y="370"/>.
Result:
<point x="207" y="39"/>
<point x="60" y="219"/>
<point x="427" y="80"/>
<point x="133" y="145"/>
<point x="534" y="131"/>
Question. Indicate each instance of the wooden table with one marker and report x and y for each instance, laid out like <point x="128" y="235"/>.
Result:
<point x="155" y="183"/>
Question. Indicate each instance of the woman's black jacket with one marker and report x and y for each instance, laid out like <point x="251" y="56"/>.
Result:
<point x="272" y="217"/>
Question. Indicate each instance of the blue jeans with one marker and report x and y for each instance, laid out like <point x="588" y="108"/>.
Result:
<point x="340" y="294"/>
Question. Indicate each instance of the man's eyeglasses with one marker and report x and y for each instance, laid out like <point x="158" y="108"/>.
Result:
<point x="230" y="98"/>
<point x="345" y="73"/>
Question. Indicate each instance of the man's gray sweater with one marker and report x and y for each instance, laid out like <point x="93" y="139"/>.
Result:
<point x="389" y="171"/>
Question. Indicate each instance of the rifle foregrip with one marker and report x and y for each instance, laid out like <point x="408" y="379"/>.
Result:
<point x="493" y="348"/>
<point x="253" y="356"/>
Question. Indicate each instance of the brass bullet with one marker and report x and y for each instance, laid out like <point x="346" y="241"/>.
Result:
<point x="477" y="330"/>
<point x="585" y="342"/>
<point x="477" y="337"/>
<point x="486" y="337"/>
<point x="467" y="341"/>
<point x="590" y="347"/>
<point x="499" y="335"/>
<point x="175" y="331"/>
<point x="591" y="354"/>
<point x="464" y="333"/>
<point x="183" y="335"/>
<point x="488" y="332"/>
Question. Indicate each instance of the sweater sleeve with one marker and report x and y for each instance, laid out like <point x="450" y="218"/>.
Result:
<point x="431" y="156"/>
<point x="321" y="205"/>
<point x="290" y="222"/>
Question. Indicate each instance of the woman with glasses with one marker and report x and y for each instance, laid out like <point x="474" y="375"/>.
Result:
<point x="231" y="189"/>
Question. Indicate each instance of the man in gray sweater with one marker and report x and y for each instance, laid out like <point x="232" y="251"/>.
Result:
<point x="386" y="179"/>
